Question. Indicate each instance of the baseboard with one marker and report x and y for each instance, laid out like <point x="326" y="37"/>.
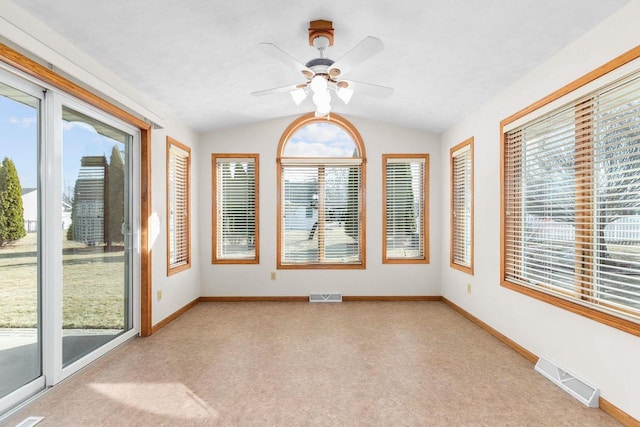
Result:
<point x="618" y="413"/>
<point x="351" y="298"/>
<point x="605" y="405"/>
<point x="170" y="318"/>
<point x="254" y="299"/>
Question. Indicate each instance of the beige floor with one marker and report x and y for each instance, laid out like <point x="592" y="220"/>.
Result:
<point x="290" y="364"/>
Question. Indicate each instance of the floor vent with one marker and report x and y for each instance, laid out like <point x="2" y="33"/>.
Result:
<point x="585" y="393"/>
<point x="325" y="297"/>
<point x="29" y="421"/>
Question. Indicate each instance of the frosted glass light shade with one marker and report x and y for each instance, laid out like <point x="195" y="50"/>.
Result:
<point x="320" y="98"/>
<point x="298" y="96"/>
<point x="318" y="84"/>
<point x="345" y="94"/>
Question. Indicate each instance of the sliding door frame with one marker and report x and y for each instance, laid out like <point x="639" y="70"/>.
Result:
<point x="61" y="101"/>
<point x="38" y="383"/>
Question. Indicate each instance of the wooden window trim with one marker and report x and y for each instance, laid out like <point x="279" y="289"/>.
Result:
<point x="454" y="149"/>
<point x="214" y="209"/>
<point x="424" y="221"/>
<point x="176" y="269"/>
<point x="298" y="123"/>
<point x="42" y="73"/>
<point x="596" y="315"/>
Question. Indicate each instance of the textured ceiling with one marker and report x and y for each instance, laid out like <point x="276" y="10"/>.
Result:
<point x="199" y="58"/>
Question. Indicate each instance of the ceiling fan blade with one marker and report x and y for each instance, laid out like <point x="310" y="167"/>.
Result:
<point x="358" y="54"/>
<point x="369" y="89"/>
<point x="282" y="56"/>
<point x="282" y="89"/>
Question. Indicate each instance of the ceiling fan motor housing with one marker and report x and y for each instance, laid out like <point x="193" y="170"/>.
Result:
<point x="320" y="65"/>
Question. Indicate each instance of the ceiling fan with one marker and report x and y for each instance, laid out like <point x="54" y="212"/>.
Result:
<point x="324" y="75"/>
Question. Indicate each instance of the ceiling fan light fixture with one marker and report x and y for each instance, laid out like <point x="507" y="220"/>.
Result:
<point x="298" y="95"/>
<point x="344" y="94"/>
<point x="322" y="98"/>
<point x="318" y="84"/>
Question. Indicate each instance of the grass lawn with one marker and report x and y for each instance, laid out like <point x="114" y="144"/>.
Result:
<point x="93" y="290"/>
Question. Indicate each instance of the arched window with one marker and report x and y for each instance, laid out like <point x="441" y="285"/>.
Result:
<point x="321" y="170"/>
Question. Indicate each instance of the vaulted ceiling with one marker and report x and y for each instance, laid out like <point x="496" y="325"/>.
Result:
<point x="199" y="58"/>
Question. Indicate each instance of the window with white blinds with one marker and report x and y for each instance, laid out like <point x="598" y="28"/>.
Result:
<point x="461" y="166"/>
<point x="572" y="202"/>
<point x="405" y="208"/>
<point x="178" y="206"/>
<point x="321" y="206"/>
<point x="235" y="207"/>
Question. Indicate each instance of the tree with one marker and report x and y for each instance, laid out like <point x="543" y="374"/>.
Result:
<point x="618" y="184"/>
<point x="114" y="198"/>
<point x="71" y="233"/>
<point x="68" y="197"/>
<point x="11" y="210"/>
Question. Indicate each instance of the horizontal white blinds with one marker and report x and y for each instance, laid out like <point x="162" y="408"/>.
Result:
<point x="572" y="200"/>
<point x="461" y="189"/>
<point x="236" y="215"/>
<point x="405" y="207"/>
<point x="178" y="206"/>
<point x="321" y="211"/>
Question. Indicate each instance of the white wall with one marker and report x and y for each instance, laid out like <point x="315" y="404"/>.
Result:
<point x="31" y="37"/>
<point x="183" y="287"/>
<point x="603" y="356"/>
<point x="376" y="279"/>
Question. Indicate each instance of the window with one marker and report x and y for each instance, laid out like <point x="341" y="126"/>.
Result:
<point x="461" y="249"/>
<point x="178" y="206"/>
<point x="321" y="195"/>
<point x="235" y="207"/>
<point x="571" y="202"/>
<point x="405" y="236"/>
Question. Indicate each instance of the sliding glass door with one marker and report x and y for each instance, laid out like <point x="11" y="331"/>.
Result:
<point x="69" y="252"/>
<point x="96" y="289"/>
<point x="20" y="252"/>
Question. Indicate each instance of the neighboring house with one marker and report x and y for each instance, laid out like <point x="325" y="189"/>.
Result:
<point x="66" y="215"/>
<point x="30" y="209"/>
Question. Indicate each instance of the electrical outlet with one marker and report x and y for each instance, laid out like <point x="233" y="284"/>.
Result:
<point x="468" y="288"/>
<point x="273" y="275"/>
<point x="159" y="295"/>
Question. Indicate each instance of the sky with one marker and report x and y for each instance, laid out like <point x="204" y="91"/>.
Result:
<point x="18" y="139"/>
<point x="19" y="142"/>
<point x="320" y="139"/>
